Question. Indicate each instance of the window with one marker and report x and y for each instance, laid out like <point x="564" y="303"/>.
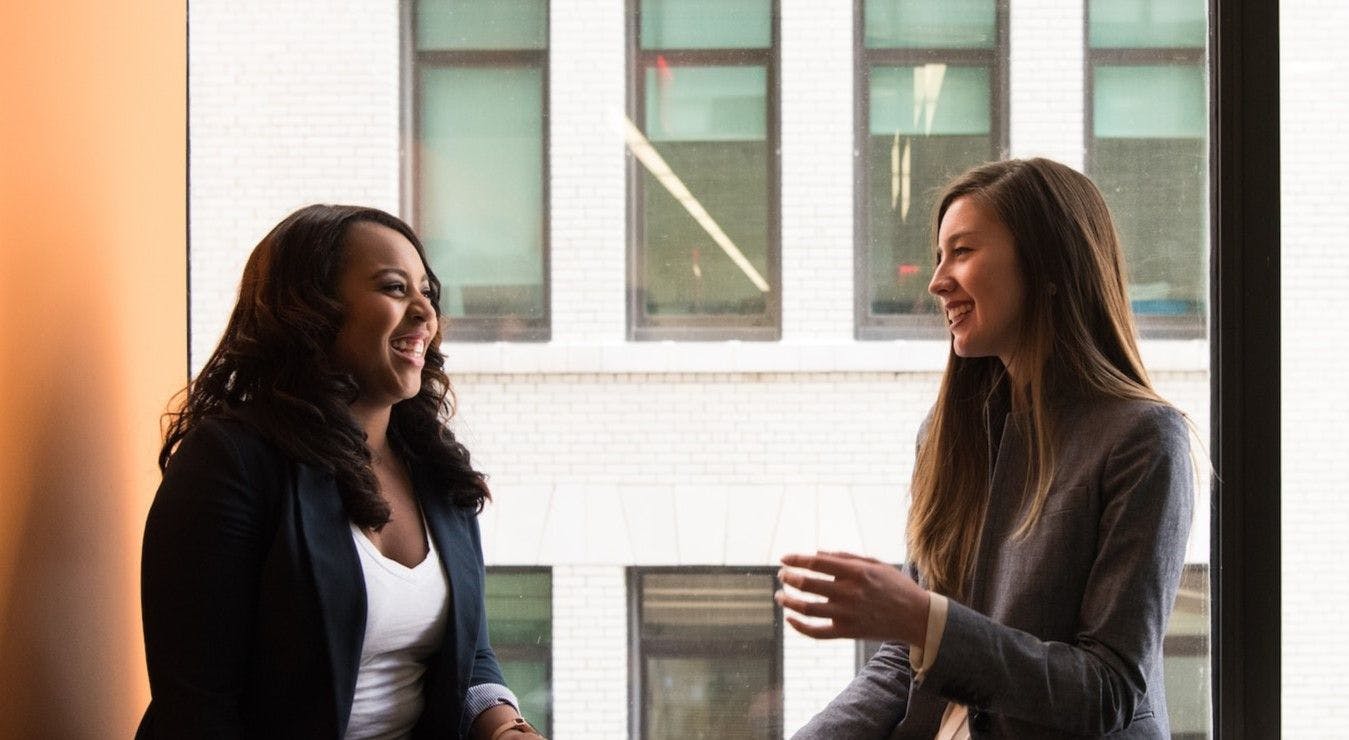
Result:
<point x="930" y="82"/>
<point x="1147" y="139"/>
<point x="520" y="617"/>
<point x="476" y="171"/>
<point x="703" y="175"/>
<point x="1185" y="657"/>
<point x="707" y="646"/>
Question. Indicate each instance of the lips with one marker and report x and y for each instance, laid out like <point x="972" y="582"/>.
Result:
<point x="411" y="347"/>
<point x="956" y="312"/>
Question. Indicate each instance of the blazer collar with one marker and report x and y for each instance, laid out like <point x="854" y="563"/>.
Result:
<point x="451" y="529"/>
<point x="338" y="580"/>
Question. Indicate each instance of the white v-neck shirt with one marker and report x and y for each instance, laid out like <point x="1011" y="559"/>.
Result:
<point x="406" y="611"/>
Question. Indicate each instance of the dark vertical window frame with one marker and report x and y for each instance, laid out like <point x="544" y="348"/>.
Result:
<point x="637" y="647"/>
<point x="1149" y="326"/>
<point x="1246" y="350"/>
<point x="507" y="652"/>
<point x="767" y="326"/>
<point x="867" y="325"/>
<point x="476" y="328"/>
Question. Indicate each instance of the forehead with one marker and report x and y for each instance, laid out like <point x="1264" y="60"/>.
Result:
<point x="967" y="215"/>
<point x="371" y="246"/>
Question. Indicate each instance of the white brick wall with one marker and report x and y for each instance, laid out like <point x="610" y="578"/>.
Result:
<point x="606" y="453"/>
<point x="590" y="653"/>
<point x="1314" y="65"/>
<point x="290" y="103"/>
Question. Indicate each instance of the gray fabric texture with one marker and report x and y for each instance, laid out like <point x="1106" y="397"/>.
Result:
<point x="1061" y="632"/>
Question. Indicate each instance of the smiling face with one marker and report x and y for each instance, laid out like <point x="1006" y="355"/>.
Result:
<point x="387" y="315"/>
<point x="979" y="282"/>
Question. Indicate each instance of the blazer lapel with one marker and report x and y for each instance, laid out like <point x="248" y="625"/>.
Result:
<point x="448" y="529"/>
<point x="338" y="580"/>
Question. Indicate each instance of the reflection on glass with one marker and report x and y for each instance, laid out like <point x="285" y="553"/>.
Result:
<point x="926" y="124"/>
<point x="520" y="618"/>
<point x="709" y="125"/>
<point x="710" y="654"/>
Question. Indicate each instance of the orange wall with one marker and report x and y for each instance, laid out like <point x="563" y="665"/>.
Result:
<point x="93" y="317"/>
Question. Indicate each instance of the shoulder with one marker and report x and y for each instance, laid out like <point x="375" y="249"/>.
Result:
<point x="225" y="458"/>
<point x="1128" y="423"/>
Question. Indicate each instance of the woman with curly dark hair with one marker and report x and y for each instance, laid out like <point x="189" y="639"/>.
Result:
<point x="312" y="566"/>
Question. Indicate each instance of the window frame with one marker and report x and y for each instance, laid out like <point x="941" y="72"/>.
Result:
<point x="476" y="328"/>
<point x="867" y="325"/>
<point x="1149" y="326"/>
<point x="637" y="646"/>
<point x="1245" y="346"/>
<point x="763" y="327"/>
<point x="526" y="651"/>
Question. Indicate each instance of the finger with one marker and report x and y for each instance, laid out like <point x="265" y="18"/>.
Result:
<point x="818" y="631"/>
<point x="823" y="563"/>
<point x="822" y="609"/>
<point x="843" y="555"/>
<point x="799" y="580"/>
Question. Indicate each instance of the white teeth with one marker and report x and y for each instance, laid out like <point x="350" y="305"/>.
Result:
<point x="412" y="346"/>
<point x="955" y="313"/>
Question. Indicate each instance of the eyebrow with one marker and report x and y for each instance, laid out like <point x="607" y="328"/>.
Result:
<point x="962" y="235"/>
<point x="381" y="272"/>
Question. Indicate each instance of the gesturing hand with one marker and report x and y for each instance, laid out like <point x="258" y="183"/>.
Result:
<point x="865" y="599"/>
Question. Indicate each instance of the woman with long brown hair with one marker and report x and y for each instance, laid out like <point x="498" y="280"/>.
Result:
<point x="312" y="566"/>
<point x="1051" y="498"/>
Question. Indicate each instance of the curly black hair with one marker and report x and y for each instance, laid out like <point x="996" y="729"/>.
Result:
<point x="275" y="364"/>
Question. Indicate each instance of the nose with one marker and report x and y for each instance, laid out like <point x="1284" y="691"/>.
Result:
<point x="422" y="309"/>
<point x="941" y="282"/>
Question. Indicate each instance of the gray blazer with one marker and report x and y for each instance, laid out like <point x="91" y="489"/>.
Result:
<point x="1061" y="635"/>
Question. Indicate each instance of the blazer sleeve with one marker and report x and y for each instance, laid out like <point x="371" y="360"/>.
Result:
<point x="205" y="539"/>
<point x="873" y="704"/>
<point x="1094" y="684"/>
<point x="485" y="666"/>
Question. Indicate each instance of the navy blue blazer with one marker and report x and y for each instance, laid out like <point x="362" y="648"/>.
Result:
<point x="253" y="597"/>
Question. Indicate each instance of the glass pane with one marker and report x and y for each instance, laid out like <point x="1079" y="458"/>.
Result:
<point x="529" y="680"/>
<point x="1186" y="656"/>
<point x="482" y="24"/>
<point x="930" y="24"/>
<point x="1164" y="101"/>
<point x="1147" y="23"/>
<point x="1149" y="157"/>
<point x="708" y="125"/>
<point x="521" y="608"/>
<point x="929" y="99"/>
<point x="520" y="619"/>
<point x="480" y="201"/>
<point x="714" y="606"/>
<point x="689" y="697"/>
<point x="928" y="124"/>
<point x="710" y="655"/>
<point x="707" y="24"/>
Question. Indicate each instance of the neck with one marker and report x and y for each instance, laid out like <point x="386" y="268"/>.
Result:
<point x="374" y="420"/>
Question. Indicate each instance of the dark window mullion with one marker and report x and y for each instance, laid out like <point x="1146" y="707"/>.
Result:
<point x="481" y="57"/>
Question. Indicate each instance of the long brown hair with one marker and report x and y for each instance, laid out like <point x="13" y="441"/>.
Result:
<point x="274" y="369"/>
<point x="1077" y="339"/>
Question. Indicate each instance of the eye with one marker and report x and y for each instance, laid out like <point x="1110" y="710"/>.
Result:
<point x="398" y="288"/>
<point x="960" y="250"/>
<point x="430" y="294"/>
